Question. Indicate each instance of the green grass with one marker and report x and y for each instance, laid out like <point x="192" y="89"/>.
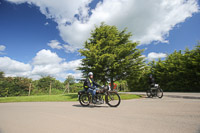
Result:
<point x="129" y="96"/>
<point x="55" y="98"/>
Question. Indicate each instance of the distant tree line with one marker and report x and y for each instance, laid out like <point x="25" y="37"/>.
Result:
<point x="179" y="72"/>
<point x="20" y="86"/>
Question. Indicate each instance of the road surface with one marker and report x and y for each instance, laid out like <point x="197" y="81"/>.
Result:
<point x="146" y="115"/>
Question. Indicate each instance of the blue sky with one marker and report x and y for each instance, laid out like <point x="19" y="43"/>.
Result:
<point x="38" y="36"/>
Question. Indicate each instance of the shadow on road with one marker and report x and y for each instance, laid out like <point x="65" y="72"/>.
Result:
<point x="184" y="97"/>
<point x="91" y="106"/>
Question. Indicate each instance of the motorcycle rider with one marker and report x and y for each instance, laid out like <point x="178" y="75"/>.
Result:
<point x="90" y="86"/>
<point x="151" y="80"/>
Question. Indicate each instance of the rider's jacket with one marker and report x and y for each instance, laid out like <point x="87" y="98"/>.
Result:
<point x="151" y="81"/>
<point x="89" y="83"/>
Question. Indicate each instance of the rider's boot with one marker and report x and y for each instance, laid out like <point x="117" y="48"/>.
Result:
<point x="94" y="100"/>
<point x="97" y="99"/>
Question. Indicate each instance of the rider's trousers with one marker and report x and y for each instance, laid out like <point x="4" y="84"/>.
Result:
<point x="93" y="92"/>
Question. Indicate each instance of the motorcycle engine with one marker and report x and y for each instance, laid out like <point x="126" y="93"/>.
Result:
<point x="100" y="99"/>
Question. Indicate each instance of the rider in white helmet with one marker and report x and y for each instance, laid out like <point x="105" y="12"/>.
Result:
<point x="90" y="86"/>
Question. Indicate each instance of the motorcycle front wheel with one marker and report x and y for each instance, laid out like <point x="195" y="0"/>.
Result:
<point x="84" y="100"/>
<point x="159" y="93"/>
<point x="113" y="99"/>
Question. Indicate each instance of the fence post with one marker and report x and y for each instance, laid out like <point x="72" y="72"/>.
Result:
<point x="29" y="90"/>
<point x="50" y="88"/>
<point x="68" y="87"/>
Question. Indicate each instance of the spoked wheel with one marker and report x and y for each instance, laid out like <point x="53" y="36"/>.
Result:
<point x="113" y="99"/>
<point x="84" y="100"/>
<point x="149" y="93"/>
<point x="159" y="93"/>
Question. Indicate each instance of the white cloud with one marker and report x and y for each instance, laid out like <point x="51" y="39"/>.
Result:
<point x="72" y="65"/>
<point x="2" y="47"/>
<point x="69" y="48"/>
<point x="44" y="63"/>
<point x="45" y="57"/>
<point x="46" y="23"/>
<point x="153" y="55"/>
<point x="61" y="11"/>
<point x="54" y="44"/>
<point x="147" y="20"/>
<point x="14" y="68"/>
<point x="49" y="63"/>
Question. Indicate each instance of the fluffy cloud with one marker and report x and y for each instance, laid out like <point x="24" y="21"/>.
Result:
<point x="14" y="68"/>
<point x="48" y="63"/>
<point x="44" y="63"/>
<point x="72" y="65"/>
<point x="69" y="48"/>
<point x="2" y="47"/>
<point x="147" y="20"/>
<point x="61" y="11"/>
<point x="45" y="57"/>
<point x="153" y="55"/>
<point x="54" y="44"/>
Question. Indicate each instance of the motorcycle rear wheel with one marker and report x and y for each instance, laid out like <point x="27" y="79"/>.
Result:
<point x="84" y="100"/>
<point x="149" y="93"/>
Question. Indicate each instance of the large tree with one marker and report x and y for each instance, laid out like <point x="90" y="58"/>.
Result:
<point x="110" y="54"/>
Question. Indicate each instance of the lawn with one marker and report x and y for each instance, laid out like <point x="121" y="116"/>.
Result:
<point x="55" y="98"/>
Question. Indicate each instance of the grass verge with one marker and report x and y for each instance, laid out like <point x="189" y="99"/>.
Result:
<point x="55" y="98"/>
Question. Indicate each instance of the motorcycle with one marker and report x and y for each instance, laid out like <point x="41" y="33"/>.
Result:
<point x="155" y="91"/>
<point x="110" y="97"/>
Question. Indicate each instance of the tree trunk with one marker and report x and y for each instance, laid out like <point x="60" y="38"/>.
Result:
<point x="111" y="83"/>
<point x="104" y="81"/>
<point x="7" y="93"/>
<point x="29" y="91"/>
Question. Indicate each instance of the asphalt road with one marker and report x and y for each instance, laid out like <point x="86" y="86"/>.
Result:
<point x="146" y="115"/>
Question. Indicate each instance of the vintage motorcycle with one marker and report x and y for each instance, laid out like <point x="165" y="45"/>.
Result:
<point x="112" y="98"/>
<point x="155" y="91"/>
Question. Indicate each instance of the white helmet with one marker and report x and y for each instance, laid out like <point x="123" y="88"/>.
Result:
<point x="90" y="73"/>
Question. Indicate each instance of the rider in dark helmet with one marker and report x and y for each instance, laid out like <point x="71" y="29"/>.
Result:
<point x="151" y="80"/>
<point x="90" y="86"/>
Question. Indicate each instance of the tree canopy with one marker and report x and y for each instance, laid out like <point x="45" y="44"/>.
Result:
<point x="110" y="54"/>
<point x="180" y="71"/>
